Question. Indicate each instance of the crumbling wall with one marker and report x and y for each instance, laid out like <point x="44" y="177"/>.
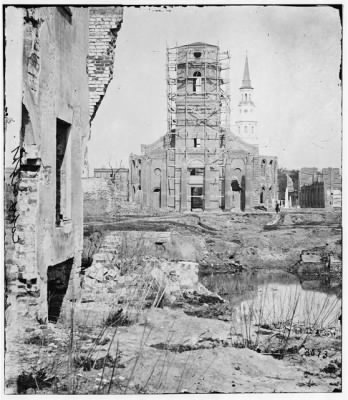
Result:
<point x="104" y="24"/>
<point x="102" y="197"/>
<point x="47" y="125"/>
<point x="51" y="51"/>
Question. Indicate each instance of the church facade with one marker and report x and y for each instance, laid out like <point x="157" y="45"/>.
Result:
<point x="200" y="164"/>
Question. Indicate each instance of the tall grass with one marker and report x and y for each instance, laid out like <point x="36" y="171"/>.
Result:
<point x="282" y="315"/>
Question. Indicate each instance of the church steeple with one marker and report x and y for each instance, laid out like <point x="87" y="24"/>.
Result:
<point x="246" y="124"/>
<point x="246" y="82"/>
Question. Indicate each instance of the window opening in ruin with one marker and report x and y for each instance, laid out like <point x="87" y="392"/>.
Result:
<point x="58" y="277"/>
<point x="263" y="168"/>
<point x="27" y="133"/>
<point x="197" y="54"/>
<point x="196" y="142"/>
<point x="63" y="172"/>
<point x="262" y="195"/>
<point x="197" y="82"/>
<point x="196" y="197"/>
<point x="196" y="171"/>
<point x="172" y="140"/>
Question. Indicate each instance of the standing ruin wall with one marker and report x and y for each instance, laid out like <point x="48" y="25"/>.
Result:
<point x="47" y="128"/>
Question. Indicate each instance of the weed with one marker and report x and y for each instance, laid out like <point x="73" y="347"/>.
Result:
<point x="117" y="318"/>
<point x="36" y="380"/>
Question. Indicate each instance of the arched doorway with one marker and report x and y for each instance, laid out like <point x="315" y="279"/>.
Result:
<point x="262" y="195"/>
<point x="238" y="192"/>
<point x="156" y="198"/>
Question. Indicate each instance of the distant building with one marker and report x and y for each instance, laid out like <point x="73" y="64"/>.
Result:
<point x="246" y="125"/>
<point x="200" y="164"/>
<point x="320" y="189"/>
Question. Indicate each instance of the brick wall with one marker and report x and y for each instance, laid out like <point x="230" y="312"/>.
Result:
<point x="104" y="24"/>
<point x="102" y="197"/>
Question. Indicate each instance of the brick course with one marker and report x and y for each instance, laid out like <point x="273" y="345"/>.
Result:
<point x="104" y="24"/>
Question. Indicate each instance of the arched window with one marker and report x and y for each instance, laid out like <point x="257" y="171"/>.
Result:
<point x="245" y="129"/>
<point x="197" y="82"/>
<point x="263" y="167"/>
<point x="246" y="97"/>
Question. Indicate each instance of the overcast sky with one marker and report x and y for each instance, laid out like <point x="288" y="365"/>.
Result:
<point x="294" y="59"/>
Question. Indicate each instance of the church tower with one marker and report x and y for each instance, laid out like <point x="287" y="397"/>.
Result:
<point x="246" y="124"/>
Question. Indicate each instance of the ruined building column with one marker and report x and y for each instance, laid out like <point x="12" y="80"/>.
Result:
<point x="228" y="193"/>
<point x="183" y="197"/>
<point x="147" y="189"/>
<point x="164" y="183"/>
<point x="207" y="188"/>
<point x="249" y="176"/>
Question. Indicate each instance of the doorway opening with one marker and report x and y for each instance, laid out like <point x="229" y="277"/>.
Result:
<point x="58" y="277"/>
<point x="197" y="197"/>
<point x="156" y="198"/>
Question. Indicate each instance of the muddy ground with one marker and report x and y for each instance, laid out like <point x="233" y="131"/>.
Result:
<point x="147" y="324"/>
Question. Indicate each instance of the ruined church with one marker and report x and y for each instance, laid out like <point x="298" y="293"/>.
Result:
<point x="200" y="164"/>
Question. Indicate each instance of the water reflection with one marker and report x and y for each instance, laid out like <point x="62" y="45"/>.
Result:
<point x="271" y="297"/>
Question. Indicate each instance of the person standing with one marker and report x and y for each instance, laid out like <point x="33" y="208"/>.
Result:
<point x="277" y="208"/>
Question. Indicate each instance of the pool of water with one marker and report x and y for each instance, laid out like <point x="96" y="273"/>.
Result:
<point x="271" y="297"/>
